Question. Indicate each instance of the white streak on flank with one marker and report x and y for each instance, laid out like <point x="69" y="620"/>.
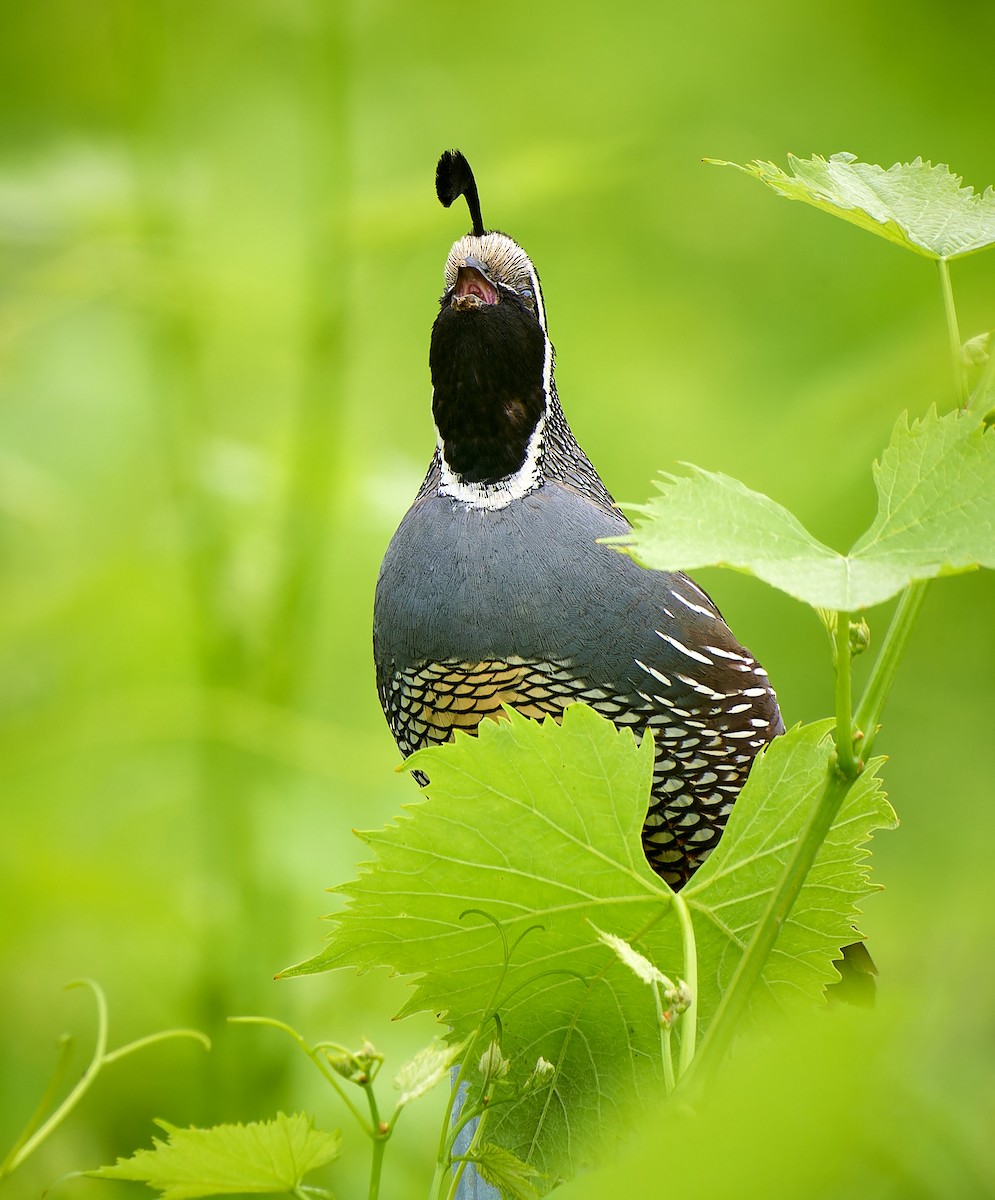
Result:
<point x="655" y="700"/>
<point x="684" y="650"/>
<point x="701" y="688"/>
<point x="758" y="691"/>
<point x="694" y="587"/>
<point x="705" y="612"/>
<point x="728" y="654"/>
<point x="660" y="678"/>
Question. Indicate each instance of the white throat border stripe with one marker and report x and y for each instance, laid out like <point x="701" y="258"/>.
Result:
<point x="503" y="491"/>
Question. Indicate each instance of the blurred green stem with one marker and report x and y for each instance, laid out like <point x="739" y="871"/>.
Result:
<point x="843" y="771"/>
<point x="840" y="780"/>
<point x="381" y="1132"/>
<point x="882" y="676"/>
<point x="316" y="427"/>
<point x="666" y="1040"/>
<point x="36" y="1131"/>
<point x="751" y="963"/>
<point x="846" y="760"/>
<point x="953" y="332"/>
<point x="689" y="1020"/>
<point x="317" y="1055"/>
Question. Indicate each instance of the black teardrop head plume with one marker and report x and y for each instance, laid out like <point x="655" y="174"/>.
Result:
<point x="453" y="178"/>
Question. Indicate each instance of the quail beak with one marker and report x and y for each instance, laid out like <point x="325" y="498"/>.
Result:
<point x="473" y="289"/>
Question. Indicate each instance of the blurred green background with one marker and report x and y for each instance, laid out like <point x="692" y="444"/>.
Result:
<point x="221" y="255"/>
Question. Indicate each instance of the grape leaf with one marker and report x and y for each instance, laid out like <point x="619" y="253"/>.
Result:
<point x="500" y="1168"/>
<point x="538" y="826"/>
<point x="935" y="485"/>
<point x="262" y="1158"/>
<point x="917" y="205"/>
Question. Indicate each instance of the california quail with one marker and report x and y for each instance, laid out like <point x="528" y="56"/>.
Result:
<point x="494" y="589"/>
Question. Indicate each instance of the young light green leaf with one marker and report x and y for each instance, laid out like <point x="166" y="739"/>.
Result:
<point x="542" y="1075"/>
<point x="503" y="1170"/>
<point x="539" y="825"/>
<point x="936" y="501"/>
<point x="936" y="516"/>
<point x="262" y="1158"/>
<point x="429" y="1067"/>
<point x="917" y="205"/>
<point x="637" y="963"/>
<point x="705" y="519"/>
<point x="493" y="1064"/>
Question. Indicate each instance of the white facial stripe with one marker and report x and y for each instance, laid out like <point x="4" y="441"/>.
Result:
<point x="547" y="366"/>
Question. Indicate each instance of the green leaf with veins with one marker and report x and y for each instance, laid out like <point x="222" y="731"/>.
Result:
<point x="922" y="207"/>
<point x="538" y="826"/>
<point x="935" y="484"/>
<point x="262" y="1158"/>
<point x="426" y="1070"/>
<point x="500" y="1168"/>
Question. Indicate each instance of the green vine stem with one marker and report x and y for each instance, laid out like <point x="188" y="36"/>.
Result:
<point x="953" y="332"/>
<point x="736" y="996"/>
<point x="844" y="770"/>
<point x="666" y="1040"/>
<point x="689" y="1020"/>
<point x="846" y="761"/>
<point x="381" y="1135"/>
<point x="865" y="722"/>
<point x="896" y="639"/>
<point x="36" y="1131"/>
<point x="316" y="1055"/>
<point x="475" y="1141"/>
<point x="882" y="675"/>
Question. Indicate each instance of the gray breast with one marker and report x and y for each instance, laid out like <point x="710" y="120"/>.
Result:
<point x="528" y="580"/>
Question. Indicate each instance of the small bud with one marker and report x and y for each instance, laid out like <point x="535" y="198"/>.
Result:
<point x="493" y="1064"/>
<point x="344" y="1064"/>
<point x="976" y="350"/>
<point x="358" y="1066"/>
<point x="679" y="998"/>
<point x="542" y="1076"/>
<point x="860" y="637"/>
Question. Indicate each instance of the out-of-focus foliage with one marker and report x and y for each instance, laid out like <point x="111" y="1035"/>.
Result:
<point x="220" y="257"/>
<point x="826" y="1107"/>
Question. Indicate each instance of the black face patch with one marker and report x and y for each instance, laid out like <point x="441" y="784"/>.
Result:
<point x="487" y="361"/>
